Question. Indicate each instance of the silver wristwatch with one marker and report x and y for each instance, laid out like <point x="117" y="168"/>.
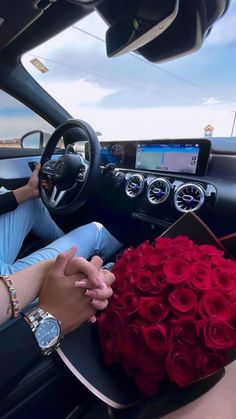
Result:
<point x="46" y="328"/>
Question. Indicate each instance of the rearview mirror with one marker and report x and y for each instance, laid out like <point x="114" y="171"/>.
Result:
<point x="159" y="30"/>
<point x="34" y="139"/>
<point x="188" y="31"/>
<point x="141" y="23"/>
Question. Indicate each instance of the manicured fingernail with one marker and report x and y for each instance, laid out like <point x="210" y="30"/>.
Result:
<point x="91" y="293"/>
<point x="94" y="301"/>
<point x="101" y="282"/>
<point x="93" y="319"/>
<point x="80" y="284"/>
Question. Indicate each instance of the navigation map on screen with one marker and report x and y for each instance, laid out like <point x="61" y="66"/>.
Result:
<point x="180" y="158"/>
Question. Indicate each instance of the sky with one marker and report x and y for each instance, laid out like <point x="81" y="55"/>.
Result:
<point x="130" y="98"/>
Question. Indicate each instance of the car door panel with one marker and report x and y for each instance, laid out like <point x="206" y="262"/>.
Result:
<point x="14" y="170"/>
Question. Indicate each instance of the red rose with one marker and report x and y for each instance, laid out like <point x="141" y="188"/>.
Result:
<point x="210" y="362"/>
<point x="153" y="309"/>
<point x="151" y="362"/>
<point x="133" y="333"/>
<point x="226" y="264"/>
<point x="156" y="337"/>
<point x="108" y="344"/>
<point x="163" y="243"/>
<point x="125" y="347"/>
<point x="112" y="321"/>
<point x="121" y="284"/>
<point x="131" y="257"/>
<point x="154" y="259"/>
<point x="216" y="334"/>
<point x="224" y="279"/>
<point x="144" y="279"/>
<point x="201" y="275"/>
<point x="209" y="250"/>
<point x="136" y="256"/>
<point x="213" y="303"/>
<point x="129" y="340"/>
<point x="183" y="300"/>
<point x="200" y="257"/>
<point x="184" y="331"/>
<point x="160" y="286"/>
<point x="144" y="247"/>
<point x="183" y="242"/>
<point x="130" y="302"/>
<point x="146" y="382"/>
<point x="176" y="271"/>
<point x="184" y="248"/>
<point x="232" y="297"/>
<point x="180" y="364"/>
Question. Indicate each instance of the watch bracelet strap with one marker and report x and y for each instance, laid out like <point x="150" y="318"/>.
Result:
<point x="35" y="316"/>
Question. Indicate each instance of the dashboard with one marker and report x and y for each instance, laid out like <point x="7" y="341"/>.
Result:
<point x="156" y="181"/>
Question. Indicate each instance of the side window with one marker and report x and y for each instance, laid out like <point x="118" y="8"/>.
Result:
<point x="16" y="120"/>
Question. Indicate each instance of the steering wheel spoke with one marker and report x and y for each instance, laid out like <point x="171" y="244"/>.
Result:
<point x="56" y="197"/>
<point x="82" y="172"/>
<point x="48" y="167"/>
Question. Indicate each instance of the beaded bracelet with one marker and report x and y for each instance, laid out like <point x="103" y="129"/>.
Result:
<point x="15" y="306"/>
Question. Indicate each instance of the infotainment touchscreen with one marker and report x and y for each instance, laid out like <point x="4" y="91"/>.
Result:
<point x="175" y="157"/>
<point x="190" y="156"/>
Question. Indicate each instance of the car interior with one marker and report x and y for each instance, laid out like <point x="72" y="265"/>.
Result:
<point x="136" y="188"/>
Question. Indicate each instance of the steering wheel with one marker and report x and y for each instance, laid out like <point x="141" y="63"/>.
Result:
<point x="72" y="177"/>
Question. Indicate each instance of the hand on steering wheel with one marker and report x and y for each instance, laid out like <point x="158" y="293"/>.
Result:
<point x="71" y="176"/>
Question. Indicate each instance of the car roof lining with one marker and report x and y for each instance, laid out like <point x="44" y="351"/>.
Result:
<point x="36" y="26"/>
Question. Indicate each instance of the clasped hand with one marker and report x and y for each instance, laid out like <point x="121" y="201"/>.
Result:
<point x="74" y="289"/>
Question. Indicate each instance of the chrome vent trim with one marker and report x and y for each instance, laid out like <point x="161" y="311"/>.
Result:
<point x="134" y="185"/>
<point x="189" y="197"/>
<point x="158" y="191"/>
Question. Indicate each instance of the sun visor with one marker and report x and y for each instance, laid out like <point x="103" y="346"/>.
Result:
<point x="12" y="23"/>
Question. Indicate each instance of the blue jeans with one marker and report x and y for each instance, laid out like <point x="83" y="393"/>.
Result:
<point x="32" y="216"/>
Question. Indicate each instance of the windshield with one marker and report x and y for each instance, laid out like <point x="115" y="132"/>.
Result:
<point x="130" y="98"/>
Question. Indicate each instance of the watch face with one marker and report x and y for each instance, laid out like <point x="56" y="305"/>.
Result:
<point x="47" y="333"/>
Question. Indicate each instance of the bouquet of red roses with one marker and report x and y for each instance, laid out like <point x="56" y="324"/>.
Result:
<point x="172" y="316"/>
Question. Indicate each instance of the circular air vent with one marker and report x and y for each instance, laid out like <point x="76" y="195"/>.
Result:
<point x="158" y="191"/>
<point x="189" y="197"/>
<point x="134" y="185"/>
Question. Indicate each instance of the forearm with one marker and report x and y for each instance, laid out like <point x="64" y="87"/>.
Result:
<point x="23" y="194"/>
<point x="27" y="283"/>
<point x="30" y="190"/>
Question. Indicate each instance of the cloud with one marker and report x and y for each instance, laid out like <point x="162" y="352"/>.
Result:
<point x="211" y="100"/>
<point x="76" y="93"/>
<point x="160" y="122"/>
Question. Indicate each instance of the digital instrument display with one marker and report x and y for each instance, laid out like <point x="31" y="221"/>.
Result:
<point x="175" y="157"/>
<point x="112" y="154"/>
